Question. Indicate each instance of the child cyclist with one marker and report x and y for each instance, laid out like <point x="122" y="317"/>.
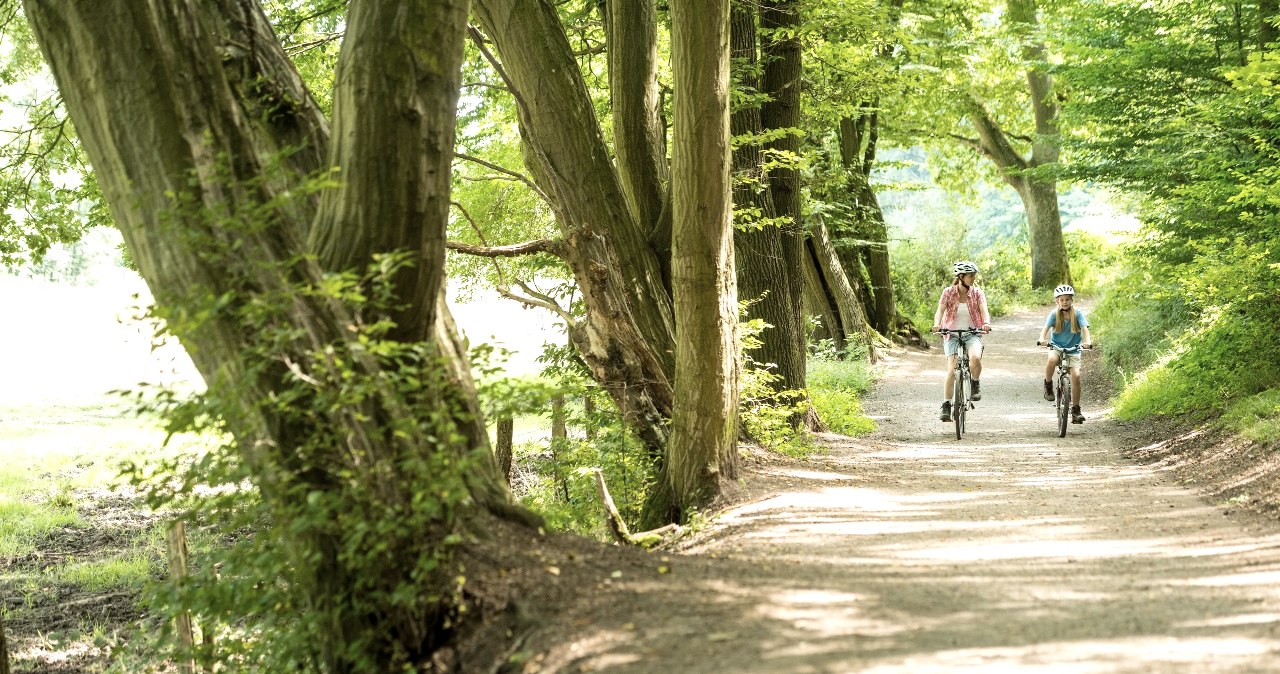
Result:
<point x="1070" y="332"/>
<point x="962" y="306"/>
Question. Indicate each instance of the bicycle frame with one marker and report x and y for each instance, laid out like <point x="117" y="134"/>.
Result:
<point x="1062" y="387"/>
<point x="960" y="403"/>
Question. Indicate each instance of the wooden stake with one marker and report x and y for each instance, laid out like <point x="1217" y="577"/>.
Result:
<point x="4" y="650"/>
<point x="177" y="540"/>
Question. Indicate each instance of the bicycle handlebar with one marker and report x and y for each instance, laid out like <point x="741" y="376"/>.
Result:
<point x="1055" y="347"/>
<point x="966" y="331"/>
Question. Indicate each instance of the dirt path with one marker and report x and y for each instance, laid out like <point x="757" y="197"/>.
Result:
<point x="909" y="552"/>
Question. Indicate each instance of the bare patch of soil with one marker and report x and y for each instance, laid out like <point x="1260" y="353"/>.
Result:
<point x="51" y="623"/>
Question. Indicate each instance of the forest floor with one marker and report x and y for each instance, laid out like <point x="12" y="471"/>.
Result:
<point x="1119" y="548"/>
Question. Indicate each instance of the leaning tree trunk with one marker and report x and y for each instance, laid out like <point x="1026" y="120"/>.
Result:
<point x="764" y="279"/>
<point x="628" y="338"/>
<point x="867" y="247"/>
<point x="183" y="155"/>
<point x="703" y="450"/>
<point x="831" y="295"/>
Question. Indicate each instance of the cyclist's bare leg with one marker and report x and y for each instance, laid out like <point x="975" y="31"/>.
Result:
<point x="975" y="362"/>
<point x="1048" y="367"/>
<point x="951" y="378"/>
<point x="1075" y="386"/>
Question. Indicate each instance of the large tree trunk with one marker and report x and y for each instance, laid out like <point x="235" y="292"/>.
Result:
<point x="781" y="81"/>
<point x="639" y="138"/>
<point x="628" y="338"/>
<point x="1044" y="222"/>
<point x="181" y="151"/>
<point x="764" y="278"/>
<point x="1049" y="262"/>
<point x="703" y="450"/>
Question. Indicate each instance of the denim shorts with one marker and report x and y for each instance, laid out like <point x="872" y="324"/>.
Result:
<point x="1070" y="358"/>
<point x="972" y="344"/>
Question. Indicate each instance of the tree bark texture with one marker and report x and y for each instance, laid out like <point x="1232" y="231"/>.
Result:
<point x="628" y="337"/>
<point x="703" y="446"/>
<point x="639" y="136"/>
<point x="764" y="278"/>
<point x="183" y="153"/>
<point x="780" y="23"/>
<point x="505" y="450"/>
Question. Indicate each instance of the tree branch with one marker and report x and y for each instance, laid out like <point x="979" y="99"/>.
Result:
<point x="526" y="248"/>
<point x="507" y="172"/>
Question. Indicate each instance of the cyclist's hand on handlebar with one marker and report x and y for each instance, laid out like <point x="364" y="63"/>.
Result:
<point x="1087" y="346"/>
<point x="934" y="329"/>
<point x="1039" y="343"/>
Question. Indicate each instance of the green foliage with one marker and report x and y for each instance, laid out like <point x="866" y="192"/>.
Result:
<point x="836" y="388"/>
<point x="555" y="476"/>
<point x="1176" y="102"/>
<point x="1256" y="417"/>
<point x="769" y="415"/>
<point x="288" y="539"/>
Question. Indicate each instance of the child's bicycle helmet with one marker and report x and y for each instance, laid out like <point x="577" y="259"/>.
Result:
<point x="965" y="267"/>
<point x="1063" y="290"/>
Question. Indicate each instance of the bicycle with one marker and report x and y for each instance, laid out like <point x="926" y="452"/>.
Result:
<point x="960" y="403"/>
<point x="1062" y="386"/>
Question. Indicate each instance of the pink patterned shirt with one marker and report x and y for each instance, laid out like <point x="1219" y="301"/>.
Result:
<point x="950" y="300"/>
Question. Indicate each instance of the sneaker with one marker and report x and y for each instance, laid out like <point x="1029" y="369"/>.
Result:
<point x="975" y="393"/>
<point x="1076" y="416"/>
<point x="946" y="411"/>
<point x="1048" y="390"/>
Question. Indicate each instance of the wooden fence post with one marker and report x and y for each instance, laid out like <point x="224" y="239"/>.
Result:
<point x="506" y="445"/>
<point x="4" y="650"/>
<point x="177" y="540"/>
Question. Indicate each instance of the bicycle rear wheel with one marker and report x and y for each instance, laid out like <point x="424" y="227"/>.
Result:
<point x="958" y="405"/>
<point x="1064" y="405"/>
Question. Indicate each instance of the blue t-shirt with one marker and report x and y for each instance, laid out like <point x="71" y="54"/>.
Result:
<point x="1067" y="339"/>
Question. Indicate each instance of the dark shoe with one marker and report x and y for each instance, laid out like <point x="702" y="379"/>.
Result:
<point x="946" y="411"/>
<point x="1048" y="391"/>
<point x="975" y="393"/>
<point x="1076" y="416"/>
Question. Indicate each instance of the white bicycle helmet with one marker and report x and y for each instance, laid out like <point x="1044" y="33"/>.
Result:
<point x="1063" y="289"/>
<point x="965" y="267"/>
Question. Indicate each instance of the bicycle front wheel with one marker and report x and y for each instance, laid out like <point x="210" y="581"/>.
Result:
<point x="958" y="405"/>
<point x="1064" y="405"/>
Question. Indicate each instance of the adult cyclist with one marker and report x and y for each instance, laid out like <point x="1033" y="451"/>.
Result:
<point x="962" y="306"/>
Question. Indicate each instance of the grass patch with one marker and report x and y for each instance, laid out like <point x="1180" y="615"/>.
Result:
<point x="836" y="388"/>
<point x="1256" y="417"/>
<point x="127" y="570"/>
<point x="24" y="523"/>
